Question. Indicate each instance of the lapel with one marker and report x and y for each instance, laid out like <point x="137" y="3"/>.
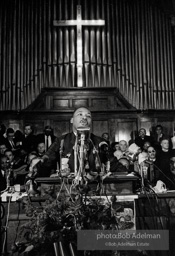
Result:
<point x="69" y="141"/>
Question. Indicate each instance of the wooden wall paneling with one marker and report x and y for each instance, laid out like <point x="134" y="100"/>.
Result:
<point x="38" y="125"/>
<point x="168" y="126"/>
<point x="126" y="130"/>
<point x="61" y="127"/>
<point x="15" y="124"/>
<point x="99" y="127"/>
<point x="112" y="125"/>
<point x="146" y="124"/>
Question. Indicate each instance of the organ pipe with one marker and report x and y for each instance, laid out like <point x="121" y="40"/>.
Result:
<point x="132" y="52"/>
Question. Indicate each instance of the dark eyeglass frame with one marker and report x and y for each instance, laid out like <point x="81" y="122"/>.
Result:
<point x="151" y="151"/>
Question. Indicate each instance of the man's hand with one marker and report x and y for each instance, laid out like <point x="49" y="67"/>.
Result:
<point x="44" y="158"/>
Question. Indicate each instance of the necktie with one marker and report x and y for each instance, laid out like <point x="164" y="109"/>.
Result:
<point x="12" y="144"/>
<point x="47" y="143"/>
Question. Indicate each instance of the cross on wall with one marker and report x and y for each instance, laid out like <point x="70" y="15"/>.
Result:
<point x="79" y="23"/>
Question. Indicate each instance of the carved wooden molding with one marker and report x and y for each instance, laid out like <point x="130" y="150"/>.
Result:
<point x="96" y="99"/>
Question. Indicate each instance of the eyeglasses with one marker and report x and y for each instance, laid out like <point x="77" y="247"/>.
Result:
<point x="151" y="151"/>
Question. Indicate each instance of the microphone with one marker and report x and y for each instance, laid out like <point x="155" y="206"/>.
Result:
<point x="80" y="150"/>
<point x="83" y="133"/>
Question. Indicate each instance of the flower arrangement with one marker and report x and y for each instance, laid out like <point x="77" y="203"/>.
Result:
<point x="59" y="220"/>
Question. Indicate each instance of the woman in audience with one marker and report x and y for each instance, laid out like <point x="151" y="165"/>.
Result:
<point x="114" y="146"/>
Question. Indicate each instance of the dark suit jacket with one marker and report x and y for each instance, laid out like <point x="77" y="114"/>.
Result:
<point x="7" y="143"/>
<point x="68" y="142"/>
<point x="165" y="175"/>
<point x="41" y="137"/>
<point x="2" y="182"/>
<point x="29" y="143"/>
<point x="2" y="139"/>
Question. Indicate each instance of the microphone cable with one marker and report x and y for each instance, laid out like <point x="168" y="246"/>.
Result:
<point x="2" y="211"/>
<point x="173" y="182"/>
<point x="152" y="212"/>
<point x="157" y="203"/>
<point x="146" y="190"/>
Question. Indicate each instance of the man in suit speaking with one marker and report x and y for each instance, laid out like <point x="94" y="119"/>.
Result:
<point x="95" y="150"/>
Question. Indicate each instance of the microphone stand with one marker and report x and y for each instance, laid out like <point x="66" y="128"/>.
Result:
<point x="142" y="181"/>
<point x="80" y="152"/>
<point x="82" y="140"/>
<point x="75" y="155"/>
<point x="61" y="152"/>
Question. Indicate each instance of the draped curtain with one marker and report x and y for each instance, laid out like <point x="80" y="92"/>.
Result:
<point x="132" y="52"/>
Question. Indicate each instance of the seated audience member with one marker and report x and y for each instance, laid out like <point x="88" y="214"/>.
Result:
<point x="18" y="166"/>
<point x="15" y="162"/>
<point x="144" y="154"/>
<point x="123" y="145"/>
<point x="105" y="136"/>
<point x="92" y="160"/>
<point x="116" y="149"/>
<point x="29" y="139"/>
<point x="18" y="138"/>
<point x="3" y="148"/>
<point x="172" y="164"/>
<point x="152" y="171"/>
<point x="142" y="138"/>
<point x="172" y="171"/>
<point x="10" y="142"/>
<point x="173" y="143"/>
<point x="152" y="154"/>
<point x="2" y="133"/>
<point x="40" y="150"/>
<point x="163" y="162"/>
<point x="47" y="137"/>
<point x="122" y="151"/>
<point x="158" y="136"/>
<point x="4" y="167"/>
<point x="115" y="146"/>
